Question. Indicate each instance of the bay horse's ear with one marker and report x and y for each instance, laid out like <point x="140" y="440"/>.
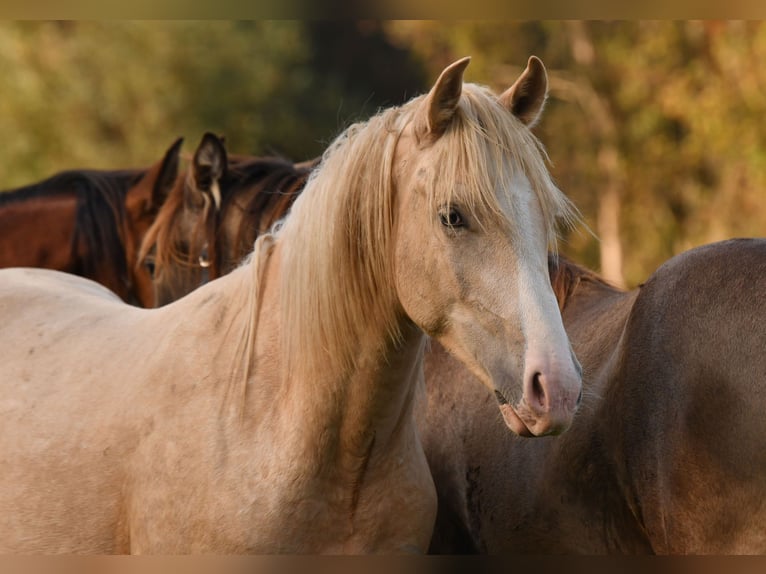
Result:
<point x="441" y="103"/>
<point x="168" y="172"/>
<point x="209" y="165"/>
<point x="526" y="97"/>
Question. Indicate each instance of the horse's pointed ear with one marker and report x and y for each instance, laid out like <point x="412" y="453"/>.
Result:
<point x="209" y="164"/>
<point x="441" y="103"/>
<point x="526" y="97"/>
<point x="168" y="172"/>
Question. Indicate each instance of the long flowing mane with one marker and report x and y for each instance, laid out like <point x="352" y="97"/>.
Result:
<point x="100" y="214"/>
<point x="337" y="287"/>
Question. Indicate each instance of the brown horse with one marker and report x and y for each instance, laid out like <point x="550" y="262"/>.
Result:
<point x="272" y="410"/>
<point x="87" y="222"/>
<point x="188" y="244"/>
<point x="668" y="452"/>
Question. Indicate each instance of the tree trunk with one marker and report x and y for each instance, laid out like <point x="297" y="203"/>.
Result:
<point x="608" y="216"/>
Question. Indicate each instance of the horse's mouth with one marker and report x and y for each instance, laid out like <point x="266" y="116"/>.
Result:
<point x="511" y="418"/>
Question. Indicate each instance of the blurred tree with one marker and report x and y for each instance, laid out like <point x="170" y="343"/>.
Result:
<point x="116" y="94"/>
<point x="655" y="128"/>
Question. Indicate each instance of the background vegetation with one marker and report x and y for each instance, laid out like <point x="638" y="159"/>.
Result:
<point x="655" y="129"/>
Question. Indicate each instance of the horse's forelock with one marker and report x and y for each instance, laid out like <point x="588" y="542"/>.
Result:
<point x="160" y="235"/>
<point x="490" y="144"/>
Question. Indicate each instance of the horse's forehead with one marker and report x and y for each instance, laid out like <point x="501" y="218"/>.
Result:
<point x="516" y="198"/>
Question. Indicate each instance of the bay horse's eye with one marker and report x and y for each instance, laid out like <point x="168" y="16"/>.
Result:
<point x="149" y="265"/>
<point x="452" y="218"/>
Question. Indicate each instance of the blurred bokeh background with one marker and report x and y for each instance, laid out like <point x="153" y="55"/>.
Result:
<point x="655" y="129"/>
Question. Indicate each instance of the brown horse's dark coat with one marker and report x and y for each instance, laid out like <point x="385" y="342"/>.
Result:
<point x="667" y="452"/>
<point x="214" y="212"/>
<point x="86" y="222"/>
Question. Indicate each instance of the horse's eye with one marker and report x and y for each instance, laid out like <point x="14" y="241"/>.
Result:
<point x="451" y="218"/>
<point x="149" y="264"/>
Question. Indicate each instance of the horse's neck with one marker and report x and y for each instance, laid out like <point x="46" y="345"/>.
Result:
<point x="378" y="396"/>
<point x="347" y="418"/>
<point x="345" y="440"/>
<point x="594" y="317"/>
<point x="38" y="232"/>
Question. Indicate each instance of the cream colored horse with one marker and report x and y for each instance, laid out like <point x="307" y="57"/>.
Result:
<point x="271" y="410"/>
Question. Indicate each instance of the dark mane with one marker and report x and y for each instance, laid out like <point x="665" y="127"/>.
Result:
<point x="262" y="189"/>
<point x="100" y="220"/>
<point x="272" y="184"/>
<point x="277" y="191"/>
<point x="566" y="276"/>
<point x="69" y="181"/>
<point x="100" y="213"/>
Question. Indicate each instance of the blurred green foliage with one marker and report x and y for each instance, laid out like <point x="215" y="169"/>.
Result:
<point x="116" y="94"/>
<point x="666" y="114"/>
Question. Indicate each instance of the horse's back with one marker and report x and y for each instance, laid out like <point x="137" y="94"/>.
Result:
<point x="691" y="399"/>
<point x="52" y="434"/>
<point x="42" y="305"/>
<point x="28" y="282"/>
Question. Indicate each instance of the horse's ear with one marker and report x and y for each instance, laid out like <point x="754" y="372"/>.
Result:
<point x="441" y="103"/>
<point x="168" y="172"/>
<point x="526" y="97"/>
<point x="210" y="163"/>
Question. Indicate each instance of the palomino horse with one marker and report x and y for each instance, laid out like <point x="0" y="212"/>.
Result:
<point x="668" y="452"/>
<point x="272" y="410"/>
<point x="188" y="244"/>
<point x="89" y="223"/>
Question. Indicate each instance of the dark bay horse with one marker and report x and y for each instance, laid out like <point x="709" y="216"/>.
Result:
<point x="88" y="222"/>
<point x="667" y="453"/>
<point x="273" y="409"/>
<point x="211" y="217"/>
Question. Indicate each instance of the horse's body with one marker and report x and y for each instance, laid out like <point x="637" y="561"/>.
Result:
<point x="188" y="244"/>
<point x="87" y="222"/>
<point x="271" y="410"/>
<point x="668" y="452"/>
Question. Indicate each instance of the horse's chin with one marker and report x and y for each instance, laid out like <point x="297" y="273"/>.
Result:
<point x="513" y="421"/>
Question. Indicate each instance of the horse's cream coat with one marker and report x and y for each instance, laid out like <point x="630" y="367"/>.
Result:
<point x="271" y="410"/>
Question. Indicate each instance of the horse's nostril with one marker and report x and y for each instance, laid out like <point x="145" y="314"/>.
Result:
<point x="538" y="392"/>
<point x="500" y="398"/>
<point x="579" y="398"/>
